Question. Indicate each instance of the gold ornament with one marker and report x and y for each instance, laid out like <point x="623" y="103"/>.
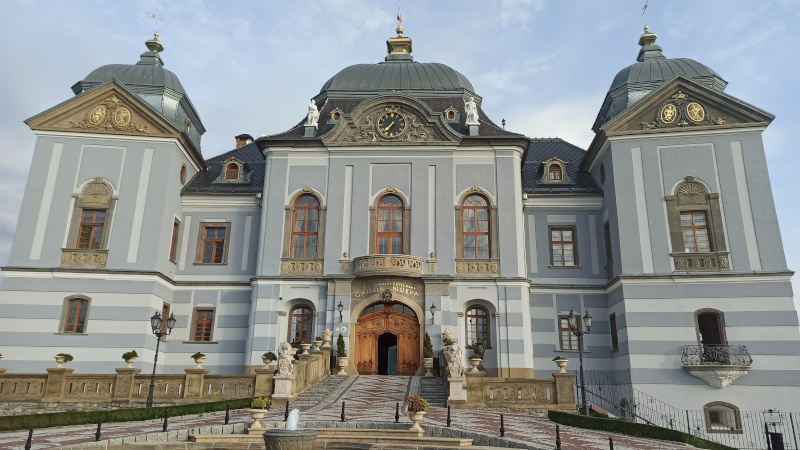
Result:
<point x="668" y="113"/>
<point x="696" y="112"/>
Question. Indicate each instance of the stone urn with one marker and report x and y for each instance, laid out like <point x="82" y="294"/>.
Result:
<point x="60" y="361"/>
<point x="326" y="338"/>
<point x="266" y="362"/>
<point x="428" y="364"/>
<point x="416" y="418"/>
<point x="283" y="439"/>
<point x="342" y="364"/>
<point x="199" y="361"/>
<point x="317" y="345"/>
<point x="130" y="361"/>
<point x="257" y="415"/>
<point x="305" y="347"/>
<point x="562" y="364"/>
<point x="474" y="362"/>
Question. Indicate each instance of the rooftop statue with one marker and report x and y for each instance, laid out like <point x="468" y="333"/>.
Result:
<point x="472" y="111"/>
<point x="313" y="114"/>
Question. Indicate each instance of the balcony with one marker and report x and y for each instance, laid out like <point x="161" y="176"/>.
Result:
<point x="388" y="265"/>
<point x="718" y="365"/>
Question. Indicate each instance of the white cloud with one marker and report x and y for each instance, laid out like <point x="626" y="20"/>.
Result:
<point x="519" y="12"/>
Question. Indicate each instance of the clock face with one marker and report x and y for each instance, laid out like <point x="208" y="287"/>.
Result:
<point x="391" y="124"/>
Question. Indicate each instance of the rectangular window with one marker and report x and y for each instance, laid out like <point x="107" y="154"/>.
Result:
<point x="213" y="240"/>
<point x="562" y="247"/>
<point x="695" y="232"/>
<point x="75" y="322"/>
<point x="173" y="247"/>
<point x="164" y="317"/>
<point x="568" y="340"/>
<point x="90" y="234"/>
<point x="203" y="325"/>
<point x="612" y="323"/>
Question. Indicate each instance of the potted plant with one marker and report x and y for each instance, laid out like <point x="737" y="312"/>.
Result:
<point x="199" y="358"/>
<point x="62" y="358"/>
<point x="318" y="343"/>
<point x="561" y="362"/>
<point x="268" y="358"/>
<point x="341" y="355"/>
<point x="417" y="406"/>
<point x="474" y="361"/>
<point x="130" y="357"/>
<point x="258" y="407"/>
<point x="427" y="354"/>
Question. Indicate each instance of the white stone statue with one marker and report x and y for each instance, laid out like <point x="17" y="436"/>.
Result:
<point x="455" y="368"/>
<point x="326" y="336"/>
<point x="285" y="357"/>
<point x="472" y="111"/>
<point x="313" y="114"/>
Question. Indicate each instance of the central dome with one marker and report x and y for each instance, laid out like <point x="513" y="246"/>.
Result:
<point x="397" y="75"/>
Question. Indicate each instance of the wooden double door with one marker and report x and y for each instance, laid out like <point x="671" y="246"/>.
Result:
<point x="387" y="340"/>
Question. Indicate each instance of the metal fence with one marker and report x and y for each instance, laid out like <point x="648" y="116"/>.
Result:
<point x="722" y="424"/>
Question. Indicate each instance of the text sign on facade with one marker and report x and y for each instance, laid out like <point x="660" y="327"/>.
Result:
<point x="772" y="417"/>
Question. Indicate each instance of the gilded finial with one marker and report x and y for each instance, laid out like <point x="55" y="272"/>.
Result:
<point x="646" y="29"/>
<point x="155" y="35"/>
<point x="399" y="30"/>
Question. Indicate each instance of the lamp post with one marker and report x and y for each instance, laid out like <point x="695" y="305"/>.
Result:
<point x="433" y="312"/>
<point x="156" y="322"/>
<point x="577" y="331"/>
<point x="340" y="308"/>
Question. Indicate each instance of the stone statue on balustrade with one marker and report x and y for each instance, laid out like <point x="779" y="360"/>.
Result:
<point x="313" y="114"/>
<point x="472" y="111"/>
<point x="455" y="368"/>
<point x="285" y="357"/>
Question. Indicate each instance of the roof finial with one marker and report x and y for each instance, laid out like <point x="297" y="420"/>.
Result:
<point x="154" y="45"/>
<point x="399" y="48"/>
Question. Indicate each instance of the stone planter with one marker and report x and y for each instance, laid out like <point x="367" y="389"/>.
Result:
<point x="562" y="365"/>
<point x="416" y="418"/>
<point x="266" y="362"/>
<point x="342" y="364"/>
<point x="306" y="348"/>
<point x="317" y="345"/>
<point x="60" y="361"/>
<point x="428" y="364"/>
<point x="282" y="439"/>
<point x="257" y="415"/>
<point x="474" y="362"/>
<point x="130" y="361"/>
<point x="199" y="361"/>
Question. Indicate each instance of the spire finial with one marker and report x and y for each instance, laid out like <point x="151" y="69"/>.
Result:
<point x="154" y="45"/>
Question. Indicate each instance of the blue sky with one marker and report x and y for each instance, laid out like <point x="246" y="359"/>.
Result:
<point x="252" y="66"/>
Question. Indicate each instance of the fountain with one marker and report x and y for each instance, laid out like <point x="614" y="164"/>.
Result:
<point x="291" y="437"/>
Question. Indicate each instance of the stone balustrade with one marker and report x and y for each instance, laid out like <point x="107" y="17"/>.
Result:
<point x="388" y="264"/>
<point x="521" y="393"/>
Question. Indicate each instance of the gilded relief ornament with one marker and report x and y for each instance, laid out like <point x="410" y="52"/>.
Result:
<point x="696" y="112"/>
<point x="668" y="113"/>
<point x="110" y="114"/>
<point x="389" y="124"/>
<point x="680" y="111"/>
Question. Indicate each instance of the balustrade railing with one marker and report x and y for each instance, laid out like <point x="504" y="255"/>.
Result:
<point x="388" y="264"/>
<point x="724" y="355"/>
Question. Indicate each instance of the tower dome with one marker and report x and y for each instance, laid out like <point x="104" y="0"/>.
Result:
<point x="651" y="70"/>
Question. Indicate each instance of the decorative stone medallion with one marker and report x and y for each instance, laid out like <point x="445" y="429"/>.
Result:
<point x="680" y="111"/>
<point x="110" y="114"/>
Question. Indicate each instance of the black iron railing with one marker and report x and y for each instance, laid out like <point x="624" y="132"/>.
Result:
<point x="724" y="355"/>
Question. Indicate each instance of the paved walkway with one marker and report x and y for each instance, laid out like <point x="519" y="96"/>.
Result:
<point x="367" y="399"/>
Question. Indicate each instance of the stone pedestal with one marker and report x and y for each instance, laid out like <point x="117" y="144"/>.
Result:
<point x="54" y="387"/>
<point x="283" y="388"/>
<point x="194" y="383"/>
<point x="565" y="390"/>
<point x="456" y="392"/>
<point x="264" y="381"/>
<point x="123" y="385"/>
<point x="282" y="439"/>
<point x="473" y="130"/>
<point x="475" y="388"/>
<point x="311" y="131"/>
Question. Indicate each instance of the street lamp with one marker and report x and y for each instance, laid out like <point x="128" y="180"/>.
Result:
<point x="576" y="330"/>
<point x="340" y="308"/>
<point x="433" y="312"/>
<point x="156" y="322"/>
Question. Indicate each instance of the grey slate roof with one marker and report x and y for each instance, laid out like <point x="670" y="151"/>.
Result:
<point x="395" y="75"/>
<point x="542" y="149"/>
<point x="148" y="72"/>
<point x="204" y="182"/>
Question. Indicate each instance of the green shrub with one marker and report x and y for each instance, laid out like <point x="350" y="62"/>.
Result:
<point x="340" y="350"/>
<point x="128" y="355"/>
<point x="632" y="429"/>
<point x="261" y="403"/>
<point x="417" y="404"/>
<point x="427" y="346"/>
<point x="11" y="423"/>
<point x="67" y="357"/>
<point x="269" y="356"/>
<point x="198" y="355"/>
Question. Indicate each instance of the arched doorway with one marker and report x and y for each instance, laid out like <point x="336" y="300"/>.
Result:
<point x="387" y="340"/>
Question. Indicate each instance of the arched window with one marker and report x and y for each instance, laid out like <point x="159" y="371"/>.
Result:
<point x="232" y="172"/>
<point x="183" y="174"/>
<point x="554" y="172"/>
<point x="75" y="321"/>
<point x="305" y="227"/>
<point x="389" y="235"/>
<point x="722" y="417"/>
<point x="300" y="324"/>
<point x="710" y="327"/>
<point x="475" y="227"/>
<point x="478" y="326"/>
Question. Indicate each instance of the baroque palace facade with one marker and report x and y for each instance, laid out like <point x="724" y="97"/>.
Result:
<point x="397" y="194"/>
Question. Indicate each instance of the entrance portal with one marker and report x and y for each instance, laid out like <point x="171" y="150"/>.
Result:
<point x="387" y="354"/>
<point x="387" y="340"/>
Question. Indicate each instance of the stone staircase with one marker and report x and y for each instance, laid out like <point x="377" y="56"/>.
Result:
<point x="434" y="392"/>
<point x="319" y="391"/>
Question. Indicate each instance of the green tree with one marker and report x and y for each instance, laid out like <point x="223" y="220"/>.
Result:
<point x="427" y="347"/>
<point x="340" y="350"/>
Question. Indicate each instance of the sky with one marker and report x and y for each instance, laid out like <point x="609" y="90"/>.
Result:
<point x="252" y="66"/>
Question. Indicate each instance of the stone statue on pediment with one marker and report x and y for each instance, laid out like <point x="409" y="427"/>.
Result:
<point x="472" y="111"/>
<point x="313" y="114"/>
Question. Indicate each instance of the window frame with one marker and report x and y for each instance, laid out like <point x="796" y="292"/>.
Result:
<point x="310" y="316"/>
<point x="692" y="195"/>
<point x="286" y="251"/>
<point x="569" y="330"/>
<point x="575" y="256"/>
<point x="195" y="318"/>
<point x="62" y="323"/>
<point x="294" y="234"/>
<point x="228" y="171"/>
<point x="694" y="227"/>
<point x="612" y="325"/>
<point x="390" y="235"/>
<point x="459" y="224"/>
<point x="720" y="428"/>
<point x="476" y="234"/>
<point x="555" y="168"/>
<point x="487" y="343"/>
<point x="173" y="246"/>
<point x="94" y="224"/>
<point x="201" y="232"/>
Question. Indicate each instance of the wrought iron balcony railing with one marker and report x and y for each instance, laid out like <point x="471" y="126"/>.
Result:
<point x="719" y="355"/>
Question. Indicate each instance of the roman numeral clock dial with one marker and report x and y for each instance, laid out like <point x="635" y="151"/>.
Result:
<point x="391" y="124"/>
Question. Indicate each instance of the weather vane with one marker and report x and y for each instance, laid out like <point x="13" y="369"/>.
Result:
<point x="644" y="10"/>
<point x="155" y="17"/>
<point x="399" y="16"/>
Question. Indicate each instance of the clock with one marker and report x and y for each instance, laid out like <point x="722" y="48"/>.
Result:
<point x="391" y="124"/>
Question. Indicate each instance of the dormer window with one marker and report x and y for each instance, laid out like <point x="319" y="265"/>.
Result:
<point x="336" y="115"/>
<point x="232" y="172"/>
<point x="451" y="114"/>
<point x="555" y="173"/>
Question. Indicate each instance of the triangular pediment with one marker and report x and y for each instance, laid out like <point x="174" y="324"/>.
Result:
<point x="684" y="105"/>
<point x="391" y="120"/>
<point x="109" y="109"/>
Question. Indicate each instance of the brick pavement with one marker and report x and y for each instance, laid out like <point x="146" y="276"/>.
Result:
<point x="367" y="399"/>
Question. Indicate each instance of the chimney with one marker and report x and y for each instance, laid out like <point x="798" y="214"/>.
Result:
<point x="243" y="139"/>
